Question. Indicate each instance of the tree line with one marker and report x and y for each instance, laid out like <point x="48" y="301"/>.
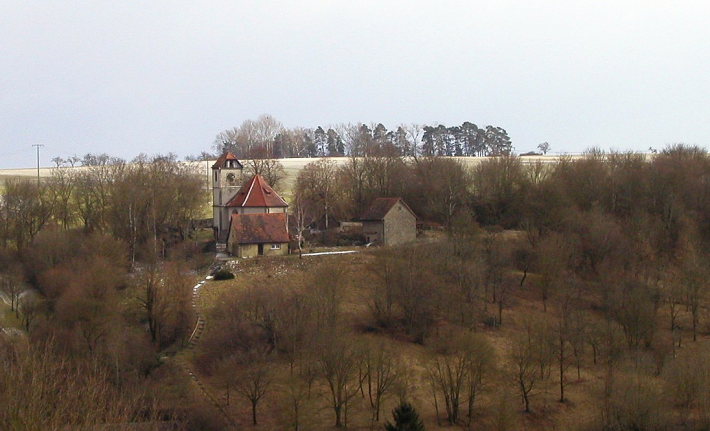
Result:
<point x="266" y="137"/>
<point x="512" y="192"/>
<point x="149" y="198"/>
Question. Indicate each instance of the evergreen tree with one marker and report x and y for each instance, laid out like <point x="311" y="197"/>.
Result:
<point x="379" y="135"/>
<point x="406" y="418"/>
<point x="320" y="141"/>
<point x="335" y="144"/>
<point x="428" y="141"/>
<point x="401" y="142"/>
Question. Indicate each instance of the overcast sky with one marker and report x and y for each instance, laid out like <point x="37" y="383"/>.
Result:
<point x="127" y="77"/>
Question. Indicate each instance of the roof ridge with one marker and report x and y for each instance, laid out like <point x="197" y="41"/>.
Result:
<point x="381" y="206"/>
<point x="249" y="196"/>
<point x="253" y="180"/>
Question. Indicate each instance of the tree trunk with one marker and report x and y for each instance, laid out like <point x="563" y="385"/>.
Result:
<point x="562" y="383"/>
<point x="338" y="422"/>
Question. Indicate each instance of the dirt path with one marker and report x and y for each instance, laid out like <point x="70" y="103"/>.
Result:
<point x="183" y="361"/>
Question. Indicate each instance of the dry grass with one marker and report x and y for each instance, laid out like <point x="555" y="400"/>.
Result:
<point x="525" y="304"/>
<point x="8" y="319"/>
<point x="291" y="168"/>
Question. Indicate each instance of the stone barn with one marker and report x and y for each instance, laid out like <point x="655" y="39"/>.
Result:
<point x="389" y="221"/>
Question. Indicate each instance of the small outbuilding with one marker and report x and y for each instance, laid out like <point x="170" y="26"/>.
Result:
<point x="389" y="221"/>
<point x="252" y="235"/>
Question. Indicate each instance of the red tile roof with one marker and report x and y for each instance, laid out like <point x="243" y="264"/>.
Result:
<point x="380" y="207"/>
<point x="259" y="228"/>
<point x="220" y="163"/>
<point x="257" y="193"/>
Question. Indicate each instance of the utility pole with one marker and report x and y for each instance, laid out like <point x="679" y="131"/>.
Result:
<point x="38" y="146"/>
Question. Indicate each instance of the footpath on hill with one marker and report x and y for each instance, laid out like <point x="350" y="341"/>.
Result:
<point x="182" y="358"/>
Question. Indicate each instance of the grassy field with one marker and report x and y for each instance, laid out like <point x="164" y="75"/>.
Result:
<point x="8" y="319"/>
<point x="291" y="167"/>
<point x="548" y="414"/>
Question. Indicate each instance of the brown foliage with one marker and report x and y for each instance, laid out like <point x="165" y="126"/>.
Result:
<point x="45" y="390"/>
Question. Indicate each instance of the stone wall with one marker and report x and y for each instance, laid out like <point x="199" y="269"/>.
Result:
<point x="400" y="225"/>
<point x="252" y="250"/>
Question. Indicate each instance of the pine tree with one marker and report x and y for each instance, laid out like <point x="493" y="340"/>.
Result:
<point x="406" y="418"/>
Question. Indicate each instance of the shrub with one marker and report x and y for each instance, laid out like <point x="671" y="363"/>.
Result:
<point x="223" y="274"/>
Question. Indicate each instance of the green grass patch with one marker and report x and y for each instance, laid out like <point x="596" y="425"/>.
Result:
<point x="8" y="318"/>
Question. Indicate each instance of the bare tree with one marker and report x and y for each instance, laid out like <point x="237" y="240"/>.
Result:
<point x="382" y="288"/>
<point x="296" y="395"/>
<point x="530" y="360"/>
<point x="505" y="415"/>
<point x="695" y="273"/>
<point x="494" y="262"/>
<point x="481" y="364"/>
<point x="317" y="182"/>
<point x="381" y="371"/>
<point x="271" y="169"/>
<point x="62" y="185"/>
<point x="165" y="297"/>
<point x="154" y="304"/>
<point x="554" y="255"/>
<point x="250" y="135"/>
<point x="326" y="294"/>
<point x="58" y="161"/>
<point x="458" y="371"/>
<point x="673" y="292"/>
<point x="444" y="184"/>
<point x="564" y="335"/>
<point x="27" y="207"/>
<point x="686" y="379"/>
<point x="498" y="185"/>
<point x="293" y="325"/>
<point x="44" y="389"/>
<point x="29" y="307"/>
<point x="12" y="286"/>
<point x="250" y="374"/>
<point x="416" y="292"/>
<point x="339" y="359"/>
<point x="544" y="147"/>
<point x="635" y="403"/>
<point x="304" y="214"/>
<point x="89" y="307"/>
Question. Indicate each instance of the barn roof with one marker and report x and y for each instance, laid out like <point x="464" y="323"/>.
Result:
<point x="222" y="160"/>
<point x="257" y="193"/>
<point x="380" y="207"/>
<point x="259" y="228"/>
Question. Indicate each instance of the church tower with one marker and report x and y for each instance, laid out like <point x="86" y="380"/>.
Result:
<point x="227" y="179"/>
